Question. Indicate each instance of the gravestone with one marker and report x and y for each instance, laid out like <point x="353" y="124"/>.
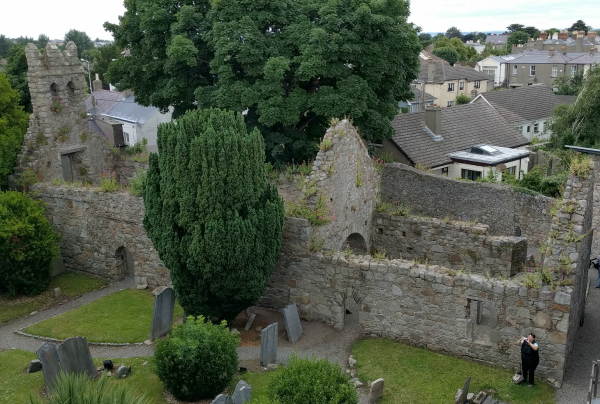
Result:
<point x="75" y="357"/>
<point x="376" y="391"/>
<point x="250" y="321"/>
<point x="221" y="399"/>
<point x="268" y="344"/>
<point x="123" y="371"/>
<point x="292" y="322"/>
<point x="34" y="366"/>
<point x="242" y="393"/>
<point x="48" y="355"/>
<point x="164" y="304"/>
<point x="465" y="391"/>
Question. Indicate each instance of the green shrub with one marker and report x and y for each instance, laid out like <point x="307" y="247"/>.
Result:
<point x="27" y="245"/>
<point x="198" y="359"/>
<point x="108" y="181"/>
<point x="311" y="381"/>
<point x="138" y="148"/>
<point x="78" y="389"/>
<point x="136" y="184"/>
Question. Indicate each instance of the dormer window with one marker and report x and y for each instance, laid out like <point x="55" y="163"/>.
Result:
<point x="484" y="149"/>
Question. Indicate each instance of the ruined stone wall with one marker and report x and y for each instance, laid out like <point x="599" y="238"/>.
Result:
<point x="497" y="205"/>
<point x="465" y="315"/>
<point x="596" y="208"/>
<point x="102" y="233"/>
<point x="58" y="135"/>
<point x="456" y="245"/>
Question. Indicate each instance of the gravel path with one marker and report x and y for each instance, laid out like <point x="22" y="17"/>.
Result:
<point x="587" y="349"/>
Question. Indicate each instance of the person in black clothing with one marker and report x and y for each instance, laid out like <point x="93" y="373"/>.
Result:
<point x="529" y="356"/>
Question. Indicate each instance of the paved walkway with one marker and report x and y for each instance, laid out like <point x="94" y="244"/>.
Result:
<point x="587" y="349"/>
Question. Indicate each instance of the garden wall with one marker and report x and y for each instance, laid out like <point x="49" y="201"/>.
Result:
<point x="497" y="205"/>
<point x="456" y="245"/>
<point x="102" y="233"/>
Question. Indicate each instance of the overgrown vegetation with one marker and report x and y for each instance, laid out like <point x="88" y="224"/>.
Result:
<point x="197" y="359"/>
<point x="27" y="245"/>
<point x="137" y="183"/>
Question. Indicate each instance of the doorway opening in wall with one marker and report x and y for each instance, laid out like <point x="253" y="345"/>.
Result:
<point x="123" y="264"/>
<point x="351" y="309"/>
<point x="355" y="242"/>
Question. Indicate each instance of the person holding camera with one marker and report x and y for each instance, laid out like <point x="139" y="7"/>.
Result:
<point x="529" y="356"/>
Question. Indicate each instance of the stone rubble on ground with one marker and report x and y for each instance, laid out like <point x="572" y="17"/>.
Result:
<point x="34" y="366"/>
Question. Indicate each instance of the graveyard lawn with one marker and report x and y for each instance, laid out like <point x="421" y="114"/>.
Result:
<point x="416" y="375"/>
<point x="71" y="285"/>
<point x="123" y="317"/>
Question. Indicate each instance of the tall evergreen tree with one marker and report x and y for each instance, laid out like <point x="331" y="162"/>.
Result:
<point x="13" y="125"/>
<point x="213" y="217"/>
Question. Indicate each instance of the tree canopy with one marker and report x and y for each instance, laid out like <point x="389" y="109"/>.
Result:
<point x="291" y="64"/>
<point x="81" y="39"/>
<point x="16" y="72"/>
<point x="106" y="55"/>
<point x="42" y="41"/>
<point x="517" y="38"/>
<point x="579" y="25"/>
<point x="5" y="45"/>
<point x="13" y="125"/>
<point x="447" y="53"/>
<point x="464" y="52"/>
<point x="213" y="217"/>
<point x="453" y="32"/>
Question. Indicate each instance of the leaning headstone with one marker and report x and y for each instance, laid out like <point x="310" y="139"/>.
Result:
<point x="48" y="356"/>
<point x="250" y="321"/>
<point x="376" y="391"/>
<point x="164" y="305"/>
<point x="242" y="393"/>
<point x="250" y="311"/>
<point x="221" y="399"/>
<point x="123" y="371"/>
<point x="292" y="322"/>
<point x="75" y="357"/>
<point x="268" y="344"/>
<point x="465" y="391"/>
<point x="34" y="366"/>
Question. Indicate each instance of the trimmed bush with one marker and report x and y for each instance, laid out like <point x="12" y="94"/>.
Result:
<point x="198" y="359"/>
<point x="78" y="389"/>
<point x="311" y="381"/>
<point x="27" y="245"/>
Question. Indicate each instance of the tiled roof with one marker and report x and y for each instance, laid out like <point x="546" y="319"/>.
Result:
<point x="496" y="39"/>
<point x="463" y="126"/>
<point x="444" y="72"/>
<point x="104" y="100"/>
<point x="130" y="111"/>
<point x="524" y="104"/>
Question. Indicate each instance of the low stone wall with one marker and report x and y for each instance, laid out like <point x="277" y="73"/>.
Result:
<point x="456" y="245"/>
<point x="505" y="210"/>
<point x="102" y="233"/>
<point x="465" y="315"/>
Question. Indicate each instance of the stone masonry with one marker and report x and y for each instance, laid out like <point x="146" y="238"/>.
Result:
<point x="456" y="245"/>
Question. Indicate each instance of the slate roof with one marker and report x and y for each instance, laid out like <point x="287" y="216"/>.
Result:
<point x="130" y="111"/>
<point x="444" y="72"/>
<point x="93" y="127"/>
<point x="535" y="56"/>
<point x="104" y="100"/>
<point x="497" y="39"/>
<point x="524" y="104"/>
<point x="417" y="98"/>
<point x="463" y="126"/>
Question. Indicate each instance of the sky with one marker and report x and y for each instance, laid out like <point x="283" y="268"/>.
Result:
<point x="56" y="17"/>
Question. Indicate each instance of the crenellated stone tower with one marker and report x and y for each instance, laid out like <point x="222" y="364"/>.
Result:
<point x="60" y="142"/>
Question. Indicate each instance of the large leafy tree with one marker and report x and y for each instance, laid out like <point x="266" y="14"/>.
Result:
<point x="16" y="72"/>
<point x="81" y="39"/>
<point x="579" y="25"/>
<point x="464" y="52"/>
<point x="578" y="123"/>
<point x="42" y="41"/>
<point x="515" y="27"/>
<point x="517" y="38"/>
<point x="291" y="64"/>
<point x="13" y="125"/>
<point x="446" y="53"/>
<point x="107" y="55"/>
<point x="215" y="220"/>
<point x="5" y="45"/>
<point x="453" y="32"/>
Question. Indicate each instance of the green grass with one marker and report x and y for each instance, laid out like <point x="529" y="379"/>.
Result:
<point x="70" y="284"/>
<point x="258" y="381"/>
<point x="415" y="375"/>
<point x="15" y="384"/>
<point x="124" y="316"/>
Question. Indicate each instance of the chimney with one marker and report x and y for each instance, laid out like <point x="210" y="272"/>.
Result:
<point x="592" y="51"/>
<point x="126" y="93"/>
<point x="563" y="35"/>
<point x="474" y="93"/>
<point x="579" y="43"/>
<point x="574" y="35"/>
<point x="551" y="51"/>
<point x="563" y="48"/>
<point x="457" y="64"/>
<point x="592" y="36"/>
<point x="543" y="36"/>
<point x="97" y="84"/>
<point x="530" y="43"/>
<point x="433" y="119"/>
<point x="555" y="36"/>
<point x="431" y="69"/>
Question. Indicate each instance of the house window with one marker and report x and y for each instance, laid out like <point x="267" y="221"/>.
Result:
<point x="450" y="103"/>
<point x="445" y="171"/>
<point x="515" y="70"/>
<point x="536" y="127"/>
<point x="554" y="71"/>
<point x="512" y="170"/>
<point x="532" y="70"/>
<point x="477" y="83"/>
<point x="450" y="86"/>
<point x="528" y="128"/>
<point x="470" y="174"/>
<point x="573" y="71"/>
<point x="520" y="128"/>
<point x="461" y="85"/>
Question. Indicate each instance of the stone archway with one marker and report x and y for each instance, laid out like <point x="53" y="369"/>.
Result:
<point x="351" y="306"/>
<point x="357" y="243"/>
<point x="124" y="263"/>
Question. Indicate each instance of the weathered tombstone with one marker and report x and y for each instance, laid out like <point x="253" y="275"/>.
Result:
<point x="292" y="322"/>
<point x="465" y="391"/>
<point x="48" y="356"/>
<point x="34" y="366"/>
<point x="123" y="371"/>
<point x="164" y="304"/>
<point x="242" y="393"/>
<point x="376" y="391"/>
<point x="221" y="399"/>
<point x="250" y="311"/>
<point x="75" y="357"/>
<point x="268" y="344"/>
<point x="250" y="321"/>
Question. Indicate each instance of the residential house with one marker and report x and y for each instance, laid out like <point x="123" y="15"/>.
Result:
<point x="495" y="68"/>
<point x="576" y="43"/>
<point x="499" y="41"/>
<point x="479" y="47"/>
<point x="445" y="82"/>
<point x="527" y="109"/>
<point x="138" y="121"/>
<point x="466" y="141"/>
<point x="414" y="105"/>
